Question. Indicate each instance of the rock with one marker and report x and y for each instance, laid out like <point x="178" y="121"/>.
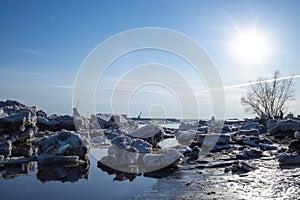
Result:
<point x="221" y="147"/>
<point x="241" y="166"/>
<point x="96" y="136"/>
<point x="23" y="136"/>
<point x="124" y="157"/>
<point x="55" y="159"/>
<point x="81" y="124"/>
<point x="150" y="133"/>
<point x="217" y="164"/>
<point x="183" y="149"/>
<point x="64" y="143"/>
<point x="202" y="123"/>
<point x="66" y="122"/>
<point x="22" y="150"/>
<point x="251" y="143"/>
<point x="285" y="158"/>
<point x="286" y="126"/>
<point x="240" y="139"/>
<point x="254" y="125"/>
<point x="263" y="120"/>
<point x="10" y="107"/>
<point x="185" y="137"/>
<point x="116" y="122"/>
<point x="233" y="121"/>
<point x="194" y="153"/>
<point x="141" y="146"/>
<point x="253" y="132"/>
<point x="5" y="148"/>
<point x="203" y="129"/>
<point x="297" y="135"/>
<point x="223" y="139"/>
<point x="265" y="147"/>
<point x="271" y="124"/>
<point x="295" y="146"/>
<point x="111" y="134"/>
<point x="2" y="114"/>
<point x="104" y="120"/>
<point x="41" y="113"/>
<point x="19" y="121"/>
<point x="56" y="123"/>
<point x="265" y="140"/>
<point x="252" y="153"/>
<point x="168" y="158"/>
<point x="47" y="124"/>
<point x="226" y="129"/>
<point x="11" y="103"/>
<point x="94" y="122"/>
<point x="127" y="143"/>
<point x="186" y="126"/>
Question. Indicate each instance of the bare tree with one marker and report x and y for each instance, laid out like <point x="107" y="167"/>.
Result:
<point x="269" y="97"/>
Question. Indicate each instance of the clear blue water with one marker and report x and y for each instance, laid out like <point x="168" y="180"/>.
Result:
<point x="99" y="185"/>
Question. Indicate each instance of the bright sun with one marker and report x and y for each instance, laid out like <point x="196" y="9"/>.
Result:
<point x="250" y="47"/>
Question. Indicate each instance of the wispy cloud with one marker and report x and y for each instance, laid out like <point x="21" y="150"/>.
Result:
<point x="263" y="81"/>
<point x="62" y="86"/>
<point x="29" y="51"/>
<point x="120" y="90"/>
<point x="251" y="83"/>
<point x="67" y="87"/>
<point x="32" y="74"/>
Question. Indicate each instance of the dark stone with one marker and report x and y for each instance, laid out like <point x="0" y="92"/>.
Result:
<point x="285" y="158"/>
<point x="150" y="133"/>
<point x="65" y="143"/>
<point x="295" y="146"/>
<point x="265" y="147"/>
<point x="56" y="123"/>
<point x="251" y="132"/>
<point x="22" y="149"/>
<point x="221" y="139"/>
<point x="5" y="148"/>
<point x="55" y="159"/>
<point x="288" y="126"/>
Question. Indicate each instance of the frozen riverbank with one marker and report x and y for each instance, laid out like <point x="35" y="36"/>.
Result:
<point x="90" y="157"/>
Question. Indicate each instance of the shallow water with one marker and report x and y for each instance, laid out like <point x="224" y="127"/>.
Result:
<point x="98" y="185"/>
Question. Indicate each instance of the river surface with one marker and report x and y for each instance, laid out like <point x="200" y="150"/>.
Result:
<point x="98" y="185"/>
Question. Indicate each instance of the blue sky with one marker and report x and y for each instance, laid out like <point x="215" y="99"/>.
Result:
<point x="43" y="44"/>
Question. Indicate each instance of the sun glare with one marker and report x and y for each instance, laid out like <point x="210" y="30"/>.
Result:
<point x="250" y="47"/>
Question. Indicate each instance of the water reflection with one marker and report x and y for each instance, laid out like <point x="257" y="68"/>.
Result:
<point x="127" y="165"/>
<point x="64" y="173"/>
<point x="120" y="176"/>
<point x="13" y="171"/>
